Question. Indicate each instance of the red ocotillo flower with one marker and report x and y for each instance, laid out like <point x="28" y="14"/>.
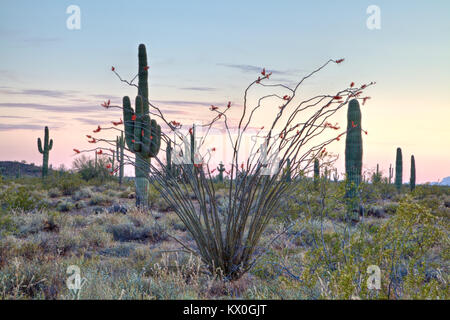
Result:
<point x="133" y="117"/>
<point x="76" y="150"/>
<point x="339" y="60"/>
<point x="352" y="84"/>
<point x="242" y="166"/>
<point x="93" y="141"/>
<point x="337" y="97"/>
<point x="146" y="68"/>
<point x="212" y="171"/>
<point x="112" y="68"/>
<point x="212" y="108"/>
<point x="286" y="97"/>
<point x="88" y="136"/>
<point x="364" y="131"/>
<point x="175" y="123"/>
<point x="229" y="105"/>
<point x="324" y="149"/>
<point x="263" y="72"/>
<point x="258" y="80"/>
<point x="97" y="130"/>
<point x="108" y="166"/>
<point x="364" y="100"/>
<point x="213" y="149"/>
<point x="116" y="123"/>
<point x="100" y="151"/>
<point x="190" y="131"/>
<point x="106" y="104"/>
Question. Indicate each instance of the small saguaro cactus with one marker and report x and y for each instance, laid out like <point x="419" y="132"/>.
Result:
<point x="391" y="173"/>
<point x="288" y="171"/>
<point x="142" y="134"/>
<point x="112" y="161"/>
<point x="399" y="169"/>
<point x="221" y="169"/>
<point x="45" y="151"/>
<point x="412" y="179"/>
<point x="353" y="147"/>
<point x="120" y="144"/>
<point x="316" y="172"/>
<point x="169" y="165"/>
<point x="335" y="175"/>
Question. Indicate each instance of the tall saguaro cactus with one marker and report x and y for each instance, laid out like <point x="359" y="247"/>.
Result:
<point x="142" y="134"/>
<point x="412" y="178"/>
<point x="45" y="151"/>
<point x="353" y="147"/>
<point x="399" y="169"/>
<point x="120" y="144"/>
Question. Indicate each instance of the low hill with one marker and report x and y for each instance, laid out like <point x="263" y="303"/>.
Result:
<point x="15" y="168"/>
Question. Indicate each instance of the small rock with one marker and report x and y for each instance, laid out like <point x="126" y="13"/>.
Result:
<point x="98" y="210"/>
<point x="115" y="208"/>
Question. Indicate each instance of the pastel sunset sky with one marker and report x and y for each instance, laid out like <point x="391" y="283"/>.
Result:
<point x="207" y="52"/>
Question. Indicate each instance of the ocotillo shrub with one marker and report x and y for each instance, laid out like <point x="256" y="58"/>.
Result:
<point x="142" y="135"/>
<point x="45" y="151"/>
<point x="399" y="169"/>
<point x="412" y="179"/>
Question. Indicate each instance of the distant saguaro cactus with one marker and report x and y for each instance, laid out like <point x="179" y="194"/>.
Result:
<point x="316" y="172"/>
<point x="142" y="135"/>
<point x="287" y="177"/>
<point x="169" y="165"/>
<point x="391" y="173"/>
<point x="120" y="145"/>
<point x="398" y="169"/>
<point x="45" y="151"/>
<point x="221" y="169"/>
<point x="412" y="179"/>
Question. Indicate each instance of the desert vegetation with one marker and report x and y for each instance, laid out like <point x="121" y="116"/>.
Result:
<point x="277" y="223"/>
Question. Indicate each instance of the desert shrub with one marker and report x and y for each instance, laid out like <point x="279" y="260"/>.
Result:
<point x="18" y="198"/>
<point x="90" y="171"/>
<point x="65" y="206"/>
<point x="336" y="266"/>
<point x="99" y="199"/>
<point x="83" y="193"/>
<point x="7" y="225"/>
<point x="131" y="232"/>
<point x="54" y="193"/>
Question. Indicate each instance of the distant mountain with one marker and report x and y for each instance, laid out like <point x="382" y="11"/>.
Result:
<point x="444" y="182"/>
<point x="16" y="169"/>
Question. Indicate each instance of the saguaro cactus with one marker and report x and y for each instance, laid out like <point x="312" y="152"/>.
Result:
<point x="120" y="144"/>
<point x="412" y="179"/>
<point x="169" y="165"/>
<point x="353" y="147"/>
<point x="316" y="172"/>
<point x="221" y="169"/>
<point x="288" y="171"/>
<point x="142" y="134"/>
<point x="391" y="173"/>
<point x="399" y="169"/>
<point x="45" y="151"/>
